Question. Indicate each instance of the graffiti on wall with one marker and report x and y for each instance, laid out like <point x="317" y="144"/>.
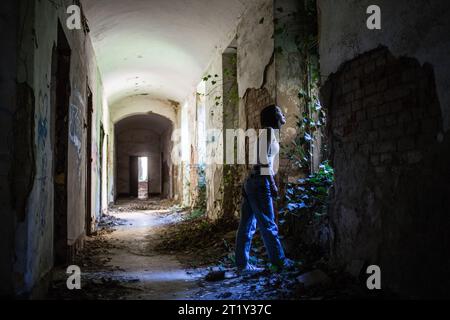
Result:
<point x="75" y="132"/>
<point x="76" y="128"/>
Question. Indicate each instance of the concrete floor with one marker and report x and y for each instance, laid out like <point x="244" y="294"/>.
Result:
<point x="122" y="264"/>
<point x="160" y="276"/>
<point x="131" y="262"/>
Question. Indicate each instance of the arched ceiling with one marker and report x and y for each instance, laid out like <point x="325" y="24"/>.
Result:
<point x="157" y="47"/>
<point x="156" y="123"/>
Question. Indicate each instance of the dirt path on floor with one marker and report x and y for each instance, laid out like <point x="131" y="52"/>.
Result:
<point x="120" y="262"/>
<point x="123" y="260"/>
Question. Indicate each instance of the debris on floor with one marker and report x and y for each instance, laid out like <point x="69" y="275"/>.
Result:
<point x="204" y="263"/>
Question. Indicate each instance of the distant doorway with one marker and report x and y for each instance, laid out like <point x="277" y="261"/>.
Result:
<point x="139" y="180"/>
<point x="143" y="178"/>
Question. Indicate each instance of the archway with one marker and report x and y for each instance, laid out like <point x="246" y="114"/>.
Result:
<point x="145" y="136"/>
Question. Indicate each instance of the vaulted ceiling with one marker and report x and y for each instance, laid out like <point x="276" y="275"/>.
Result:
<point x="157" y="47"/>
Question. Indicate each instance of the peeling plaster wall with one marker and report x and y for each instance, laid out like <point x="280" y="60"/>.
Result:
<point x="190" y="179"/>
<point x="214" y="141"/>
<point x="34" y="235"/>
<point x="254" y="53"/>
<point x="288" y="65"/>
<point x="264" y="77"/>
<point x="255" y="45"/>
<point x="388" y="116"/>
<point x="409" y="28"/>
<point x="111" y="165"/>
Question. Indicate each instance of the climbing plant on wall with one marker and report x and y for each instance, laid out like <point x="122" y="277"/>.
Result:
<point x="306" y="200"/>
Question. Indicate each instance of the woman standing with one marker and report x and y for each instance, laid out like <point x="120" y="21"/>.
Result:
<point x="257" y="203"/>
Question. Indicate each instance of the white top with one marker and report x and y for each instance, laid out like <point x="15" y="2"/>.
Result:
<point x="268" y="151"/>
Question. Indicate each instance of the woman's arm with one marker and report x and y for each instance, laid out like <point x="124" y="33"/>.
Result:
<point x="273" y="187"/>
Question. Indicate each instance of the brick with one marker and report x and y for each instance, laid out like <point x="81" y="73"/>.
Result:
<point x="350" y="147"/>
<point x="386" y="158"/>
<point x="395" y="106"/>
<point x="418" y="113"/>
<point x="429" y="125"/>
<point x="394" y="79"/>
<point x="369" y="67"/>
<point x="348" y="76"/>
<point x="358" y="94"/>
<point x="380" y="169"/>
<point x="357" y="105"/>
<point x="373" y="100"/>
<point x="412" y="127"/>
<point x="378" y="123"/>
<point x="365" y="149"/>
<point x="406" y="143"/>
<point x="395" y="93"/>
<point x="347" y="87"/>
<point x="347" y="109"/>
<point x="425" y="140"/>
<point x="338" y="131"/>
<point x="381" y="61"/>
<point x="385" y="146"/>
<point x="348" y="98"/>
<point x="372" y="136"/>
<point x="405" y="116"/>
<point x="391" y="119"/>
<point x="409" y="75"/>
<point x="390" y="133"/>
<point x="360" y="115"/>
<point x="370" y="89"/>
<point x="414" y="157"/>
<point x="359" y="71"/>
<point x="382" y="85"/>
<point x="384" y="109"/>
<point x="372" y="112"/>
<point x="375" y="159"/>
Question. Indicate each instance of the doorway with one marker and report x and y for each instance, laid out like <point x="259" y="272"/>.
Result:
<point x="89" y="112"/>
<point x="139" y="179"/>
<point x="61" y="92"/>
<point x="143" y="192"/>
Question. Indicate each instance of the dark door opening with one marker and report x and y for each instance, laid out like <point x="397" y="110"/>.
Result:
<point x="163" y="175"/>
<point x="89" y="112"/>
<point x="134" y="177"/>
<point x="61" y="92"/>
<point x="100" y="164"/>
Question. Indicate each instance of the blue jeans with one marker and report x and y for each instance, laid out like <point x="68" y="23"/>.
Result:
<point x="257" y="209"/>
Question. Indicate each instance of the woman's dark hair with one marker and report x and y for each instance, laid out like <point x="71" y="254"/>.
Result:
<point x="269" y="117"/>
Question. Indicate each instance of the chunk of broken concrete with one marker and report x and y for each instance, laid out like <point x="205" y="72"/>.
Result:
<point x="215" y="276"/>
<point x="313" y="278"/>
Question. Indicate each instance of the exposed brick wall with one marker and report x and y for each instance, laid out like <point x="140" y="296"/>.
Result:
<point x="255" y="101"/>
<point x="389" y="205"/>
<point x="381" y="111"/>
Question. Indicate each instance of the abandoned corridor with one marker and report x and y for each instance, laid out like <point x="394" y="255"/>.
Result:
<point x="105" y="101"/>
